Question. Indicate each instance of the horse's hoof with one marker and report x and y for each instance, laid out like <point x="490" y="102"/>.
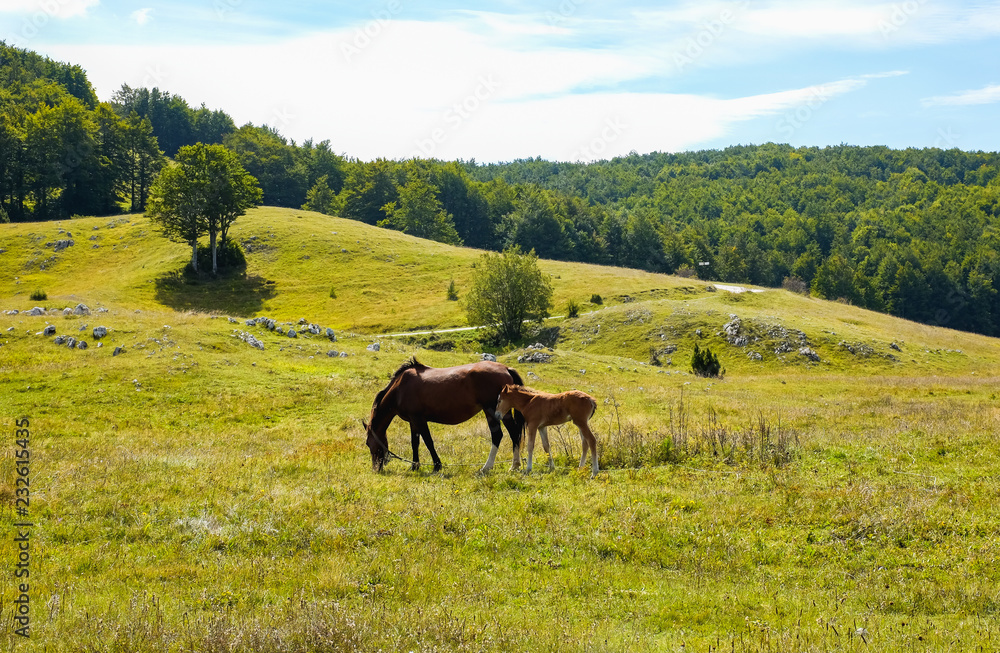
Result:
<point x="437" y="468"/>
<point x="414" y="467"/>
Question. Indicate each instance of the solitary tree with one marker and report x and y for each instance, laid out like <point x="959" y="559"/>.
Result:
<point x="202" y="194"/>
<point x="507" y="290"/>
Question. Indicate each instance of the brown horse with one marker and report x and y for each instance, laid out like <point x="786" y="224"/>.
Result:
<point x="542" y="409"/>
<point x="449" y="395"/>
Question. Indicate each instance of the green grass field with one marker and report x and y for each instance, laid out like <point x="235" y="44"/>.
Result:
<point x="197" y="494"/>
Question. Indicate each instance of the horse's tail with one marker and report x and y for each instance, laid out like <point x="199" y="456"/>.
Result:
<point x="514" y="375"/>
<point x="519" y="420"/>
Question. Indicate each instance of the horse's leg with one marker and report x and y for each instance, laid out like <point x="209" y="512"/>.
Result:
<point x="514" y="421"/>
<point x="426" y="432"/>
<point x="545" y="445"/>
<point x="497" y="435"/>
<point x="415" y="443"/>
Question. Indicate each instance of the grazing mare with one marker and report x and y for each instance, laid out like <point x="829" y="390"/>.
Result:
<point x="448" y="395"/>
<point x="542" y="409"/>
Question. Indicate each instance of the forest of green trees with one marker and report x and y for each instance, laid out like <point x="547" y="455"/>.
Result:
<point x="909" y="232"/>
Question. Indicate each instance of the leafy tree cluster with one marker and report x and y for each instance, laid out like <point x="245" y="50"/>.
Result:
<point x="202" y="194"/>
<point x="910" y="232"/>
<point x="287" y="172"/>
<point x="62" y="152"/>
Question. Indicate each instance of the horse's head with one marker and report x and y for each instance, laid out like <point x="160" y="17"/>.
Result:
<point x="378" y="445"/>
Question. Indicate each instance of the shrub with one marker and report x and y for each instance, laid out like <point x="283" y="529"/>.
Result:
<point x="228" y="254"/>
<point x="705" y="363"/>
<point x="572" y="308"/>
<point x="596" y="299"/>
<point x="333" y="293"/>
<point x="794" y="284"/>
<point x="452" y="292"/>
<point x="39" y="296"/>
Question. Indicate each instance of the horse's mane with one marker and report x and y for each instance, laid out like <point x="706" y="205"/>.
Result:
<point x="412" y="364"/>
<point x="527" y="389"/>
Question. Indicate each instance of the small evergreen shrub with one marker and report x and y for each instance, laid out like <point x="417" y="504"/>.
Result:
<point x="572" y="308"/>
<point x="705" y="363"/>
<point x="596" y="299"/>
<point x="39" y="296"/>
<point x="452" y="292"/>
<point x="333" y="293"/>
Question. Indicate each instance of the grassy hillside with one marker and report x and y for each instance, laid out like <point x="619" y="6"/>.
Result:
<point x="383" y="280"/>
<point x="196" y="493"/>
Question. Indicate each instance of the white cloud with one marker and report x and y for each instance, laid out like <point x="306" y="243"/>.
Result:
<point x="141" y="16"/>
<point x="987" y="95"/>
<point x="53" y="8"/>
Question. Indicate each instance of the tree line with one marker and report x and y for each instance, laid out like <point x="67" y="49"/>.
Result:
<point x="910" y="232"/>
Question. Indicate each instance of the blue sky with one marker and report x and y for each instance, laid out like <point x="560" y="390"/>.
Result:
<point x="561" y="79"/>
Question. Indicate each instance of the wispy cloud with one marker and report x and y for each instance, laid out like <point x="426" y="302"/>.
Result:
<point x="141" y="16"/>
<point x="988" y="95"/>
<point x="54" y="8"/>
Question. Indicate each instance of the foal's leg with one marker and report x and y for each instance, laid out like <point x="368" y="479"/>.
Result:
<point x="589" y="441"/>
<point x="425" y="431"/>
<point x="545" y="445"/>
<point x="531" y="445"/>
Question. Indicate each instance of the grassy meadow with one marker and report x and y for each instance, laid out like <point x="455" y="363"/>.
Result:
<point x="197" y="494"/>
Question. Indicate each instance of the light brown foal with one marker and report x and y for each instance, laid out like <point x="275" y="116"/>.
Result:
<point x="543" y="409"/>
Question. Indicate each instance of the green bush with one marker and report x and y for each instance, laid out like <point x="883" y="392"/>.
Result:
<point x="596" y="299"/>
<point x="572" y="308"/>
<point x="705" y="363"/>
<point x="228" y="254"/>
<point x="333" y="293"/>
<point x="39" y="296"/>
<point x="452" y="292"/>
